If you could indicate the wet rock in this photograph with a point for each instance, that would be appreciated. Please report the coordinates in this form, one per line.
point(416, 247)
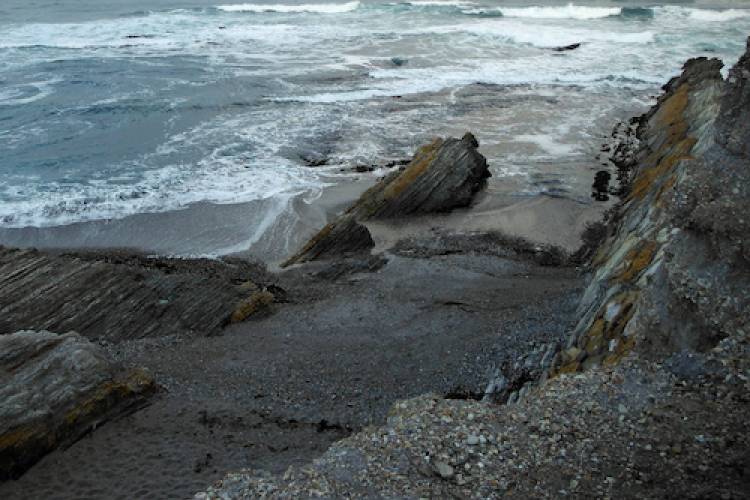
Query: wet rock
point(443, 175)
point(600, 188)
point(564, 48)
point(54, 389)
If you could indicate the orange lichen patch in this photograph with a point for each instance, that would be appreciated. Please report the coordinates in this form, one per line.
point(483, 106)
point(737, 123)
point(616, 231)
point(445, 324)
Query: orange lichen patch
point(247, 286)
point(574, 367)
point(594, 339)
point(637, 260)
point(646, 179)
point(623, 348)
point(422, 160)
point(671, 112)
point(259, 301)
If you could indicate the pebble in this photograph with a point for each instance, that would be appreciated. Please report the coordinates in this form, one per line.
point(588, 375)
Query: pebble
point(443, 469)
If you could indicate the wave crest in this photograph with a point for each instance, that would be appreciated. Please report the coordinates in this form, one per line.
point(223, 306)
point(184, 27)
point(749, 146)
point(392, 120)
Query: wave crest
point(718, 15)
point(316, 8)
point(569, 11)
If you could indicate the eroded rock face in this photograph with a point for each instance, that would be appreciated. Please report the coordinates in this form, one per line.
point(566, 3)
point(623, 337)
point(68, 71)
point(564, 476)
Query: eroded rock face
point(55, 388)
point(733, 130)
point(121, 295)
point(443, 175)
point(674, 272)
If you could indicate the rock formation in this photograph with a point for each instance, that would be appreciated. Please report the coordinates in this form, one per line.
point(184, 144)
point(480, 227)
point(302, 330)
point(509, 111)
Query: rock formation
point(54, 389)
point(674, 272)
point(443, 175)
point(650, 394)
point(121, 295)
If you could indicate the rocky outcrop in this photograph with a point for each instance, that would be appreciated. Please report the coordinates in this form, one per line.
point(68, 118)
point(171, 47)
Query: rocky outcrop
point(443, 175)
point(54, 389)
point(117, 295)
point(674, 272)
point(649, 396)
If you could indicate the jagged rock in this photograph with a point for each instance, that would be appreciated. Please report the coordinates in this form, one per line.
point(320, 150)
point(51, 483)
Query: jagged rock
point(443, 175)
point(120, 295)
point(54, 389)
point(673, 273)
point(733, 129)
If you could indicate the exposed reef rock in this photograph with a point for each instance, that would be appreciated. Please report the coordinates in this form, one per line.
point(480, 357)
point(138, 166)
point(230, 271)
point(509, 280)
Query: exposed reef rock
point(443, 175)
point(54, 389)
point(122, 295)
point(565, 48)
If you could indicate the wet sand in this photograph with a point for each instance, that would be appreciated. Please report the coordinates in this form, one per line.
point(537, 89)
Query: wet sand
point(271, 230)
point(266, 229)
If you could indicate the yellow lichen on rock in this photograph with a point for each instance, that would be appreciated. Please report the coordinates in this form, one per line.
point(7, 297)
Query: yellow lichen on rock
point(137, 381)
point(17, 437)
point(636, 261)
point(670, 114)
point(648, 177)
point(257, 302)
point(417, 167)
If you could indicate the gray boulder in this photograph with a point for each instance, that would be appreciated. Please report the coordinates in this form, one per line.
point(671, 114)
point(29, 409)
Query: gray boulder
point(54, 389)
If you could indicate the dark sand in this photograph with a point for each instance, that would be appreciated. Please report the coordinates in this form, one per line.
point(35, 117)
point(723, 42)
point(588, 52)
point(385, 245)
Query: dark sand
point(277, 391)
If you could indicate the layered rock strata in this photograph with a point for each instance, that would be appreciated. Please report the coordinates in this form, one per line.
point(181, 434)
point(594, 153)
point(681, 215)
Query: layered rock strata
point(443, 175)
point(674, 271)
point(123, 295)
point(54, 389)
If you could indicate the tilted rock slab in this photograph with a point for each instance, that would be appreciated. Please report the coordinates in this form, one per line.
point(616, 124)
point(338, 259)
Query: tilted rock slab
point(55, 388)
point(116, 295)
point(674, 272)
point(443, 175)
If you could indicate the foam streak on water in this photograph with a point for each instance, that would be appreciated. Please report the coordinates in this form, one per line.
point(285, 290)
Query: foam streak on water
point(108, 110)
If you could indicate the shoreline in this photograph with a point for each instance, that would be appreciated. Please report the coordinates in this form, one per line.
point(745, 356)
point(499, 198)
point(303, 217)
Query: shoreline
point(271, 230)
point(265, 229)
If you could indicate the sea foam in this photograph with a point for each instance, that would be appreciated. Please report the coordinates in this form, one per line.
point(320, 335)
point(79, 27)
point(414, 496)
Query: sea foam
point(569, 11)
point(317, 8)
point(717, 15)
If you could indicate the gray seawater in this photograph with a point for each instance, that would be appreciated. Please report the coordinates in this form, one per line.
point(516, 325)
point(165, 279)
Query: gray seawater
point(111, 108)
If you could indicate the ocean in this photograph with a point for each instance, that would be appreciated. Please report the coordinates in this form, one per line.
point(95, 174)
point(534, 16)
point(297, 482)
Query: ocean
point(110, 109)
